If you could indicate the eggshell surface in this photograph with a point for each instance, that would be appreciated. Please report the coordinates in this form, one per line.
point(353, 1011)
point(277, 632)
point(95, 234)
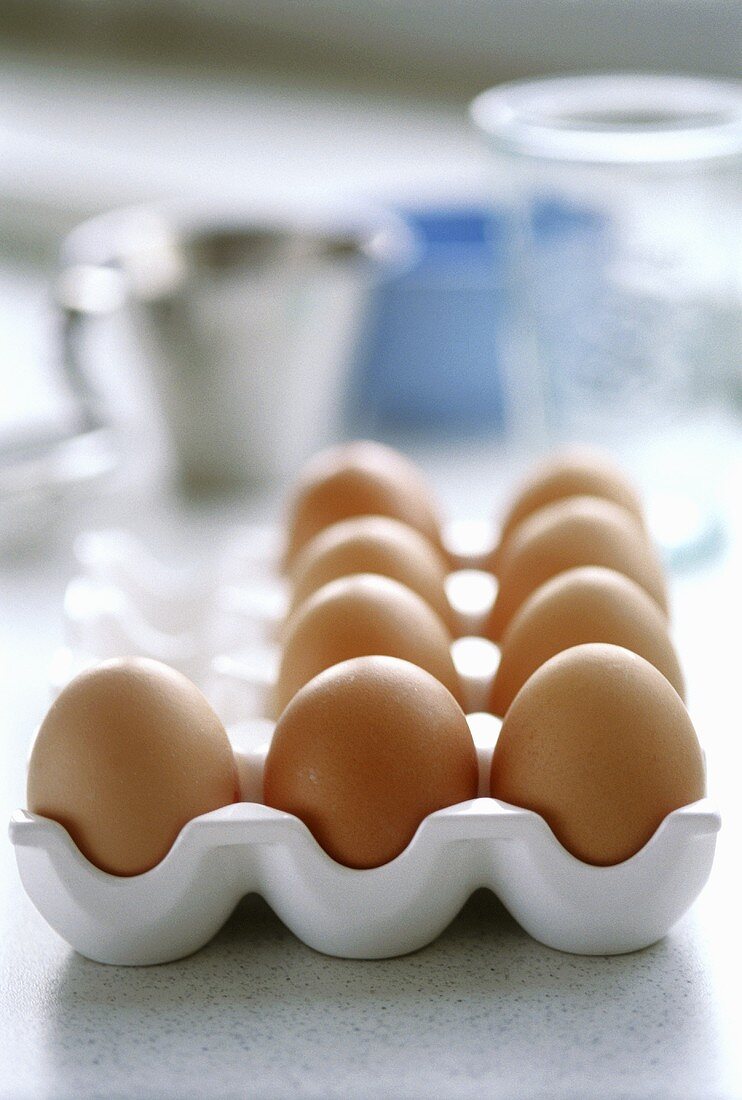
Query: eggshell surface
point(571, 533)
point(601, 746)
point(575, 471)
point(589, 604)
point(358, 479)
point(364, 752)
point(128, 753)
point(373, 544)
point(358, 616)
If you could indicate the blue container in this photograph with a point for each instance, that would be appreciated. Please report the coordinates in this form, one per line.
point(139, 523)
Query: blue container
point(431, 359)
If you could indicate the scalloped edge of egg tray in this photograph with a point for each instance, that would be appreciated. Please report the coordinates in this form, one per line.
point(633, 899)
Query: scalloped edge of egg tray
point(178, 906)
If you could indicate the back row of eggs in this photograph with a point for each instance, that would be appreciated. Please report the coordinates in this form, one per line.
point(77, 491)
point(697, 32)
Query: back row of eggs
point(601, 578)
point(589, 514)
point(111, 610)
point(367, 478)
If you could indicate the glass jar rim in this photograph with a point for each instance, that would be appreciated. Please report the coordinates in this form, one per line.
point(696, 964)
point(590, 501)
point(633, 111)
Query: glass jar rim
point(619, 118)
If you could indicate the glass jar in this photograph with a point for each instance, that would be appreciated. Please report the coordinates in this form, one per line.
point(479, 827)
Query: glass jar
point(624, 254)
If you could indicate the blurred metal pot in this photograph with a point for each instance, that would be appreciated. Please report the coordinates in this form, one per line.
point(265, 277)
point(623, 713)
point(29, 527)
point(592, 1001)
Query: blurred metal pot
point(247, 325)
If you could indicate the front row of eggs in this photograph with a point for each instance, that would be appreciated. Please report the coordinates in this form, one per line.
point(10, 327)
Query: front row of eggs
point(597, 742)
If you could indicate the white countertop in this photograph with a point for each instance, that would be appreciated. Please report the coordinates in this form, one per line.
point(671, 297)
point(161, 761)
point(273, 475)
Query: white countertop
point(482, 1011)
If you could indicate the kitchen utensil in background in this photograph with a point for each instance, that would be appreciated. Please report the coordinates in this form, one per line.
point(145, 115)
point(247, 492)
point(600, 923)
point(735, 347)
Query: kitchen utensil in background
point(623, 248)
point(54, 454)
point(242, 328)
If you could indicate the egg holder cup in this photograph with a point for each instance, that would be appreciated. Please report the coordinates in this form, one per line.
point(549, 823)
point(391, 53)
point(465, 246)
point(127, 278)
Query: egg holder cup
point(178, 906)
point(218, 858)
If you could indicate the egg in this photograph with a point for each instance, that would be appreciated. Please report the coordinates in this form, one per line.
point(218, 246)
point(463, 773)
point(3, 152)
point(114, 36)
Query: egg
point(590, 604)
point(573, 532)
point(358, 479)
point(358, 616)
point(575, 471)
point(373, 544)
point(364, 752)
point(601, 746)
point(128, 753)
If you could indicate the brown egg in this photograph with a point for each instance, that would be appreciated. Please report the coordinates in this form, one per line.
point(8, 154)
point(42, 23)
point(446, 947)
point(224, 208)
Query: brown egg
point(590, 604)
point(360, 616)
point(128, 753)
point(358, 479)
point(365, 752)
point(601, 746)
point(573, 472)
point(373, 544)
point(564, 535)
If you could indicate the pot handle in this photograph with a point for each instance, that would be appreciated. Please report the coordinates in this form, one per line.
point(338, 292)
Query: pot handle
point(81, 292)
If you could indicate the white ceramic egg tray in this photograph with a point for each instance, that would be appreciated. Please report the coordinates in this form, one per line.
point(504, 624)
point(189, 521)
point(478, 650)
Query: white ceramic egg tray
point(177, 907)
point(123, 602)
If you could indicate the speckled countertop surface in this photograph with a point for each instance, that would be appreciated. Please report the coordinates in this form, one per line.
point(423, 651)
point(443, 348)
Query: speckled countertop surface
point(483, 1011)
